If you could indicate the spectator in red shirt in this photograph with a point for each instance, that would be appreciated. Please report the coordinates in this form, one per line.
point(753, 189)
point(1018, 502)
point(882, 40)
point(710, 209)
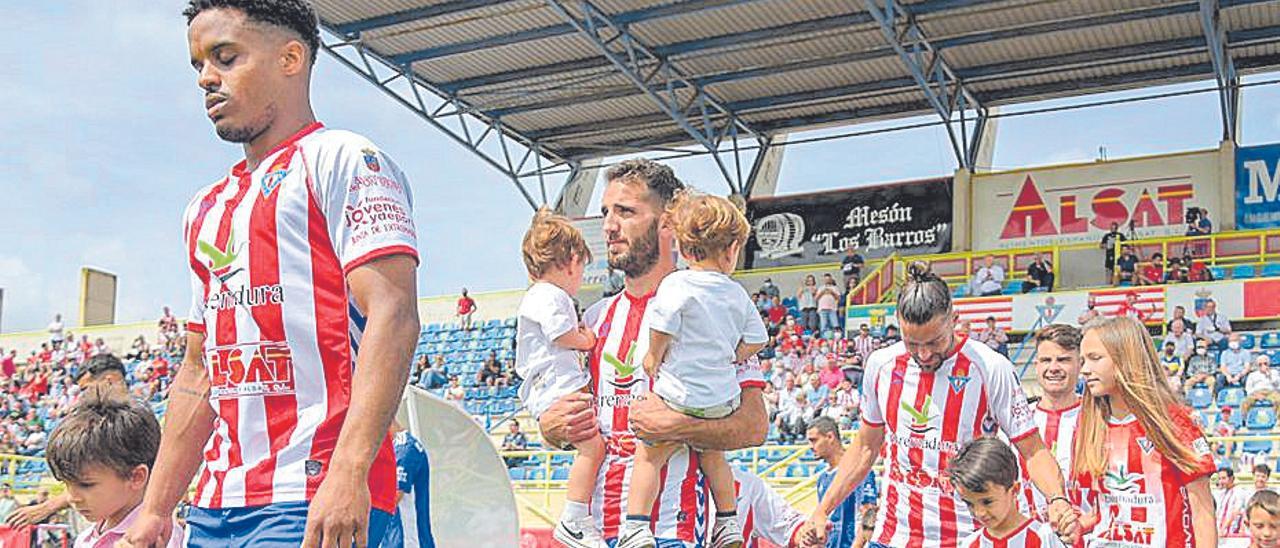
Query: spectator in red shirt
point(777, 313)
point(1153, 273)
point(466, 307)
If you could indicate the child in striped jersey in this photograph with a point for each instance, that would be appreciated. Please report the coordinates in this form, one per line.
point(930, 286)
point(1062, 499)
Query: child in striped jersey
point(985, 473)
point(701, 323)
point(548, 339)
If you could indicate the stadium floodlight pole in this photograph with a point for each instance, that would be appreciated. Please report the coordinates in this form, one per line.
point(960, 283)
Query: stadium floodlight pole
point(1224, 69)
point(945, 92)
point(494, 142)
point(704, 118)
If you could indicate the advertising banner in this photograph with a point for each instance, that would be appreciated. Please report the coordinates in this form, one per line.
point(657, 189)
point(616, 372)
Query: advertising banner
point(1078, 203)
point(1258, 187)
point(908, 218)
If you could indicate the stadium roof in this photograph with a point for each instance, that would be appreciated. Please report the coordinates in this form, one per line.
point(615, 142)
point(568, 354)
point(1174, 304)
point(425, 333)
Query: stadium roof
point(572, 80)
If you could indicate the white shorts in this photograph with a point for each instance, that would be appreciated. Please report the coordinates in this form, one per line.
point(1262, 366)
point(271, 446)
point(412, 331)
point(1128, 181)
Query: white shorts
point(713, 412)
point(551, 384)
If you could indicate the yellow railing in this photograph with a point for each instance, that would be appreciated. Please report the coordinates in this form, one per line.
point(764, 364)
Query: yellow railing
point(1228, 248)
point(13, 471)
point(879, 284)
point(941, 263)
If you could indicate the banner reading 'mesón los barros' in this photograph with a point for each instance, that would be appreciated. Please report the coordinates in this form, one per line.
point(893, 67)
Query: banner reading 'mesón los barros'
point(910, 218)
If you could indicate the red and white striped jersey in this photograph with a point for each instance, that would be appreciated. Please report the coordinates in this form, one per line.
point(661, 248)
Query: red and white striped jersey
point(1032, 534)
point(269, 249)
point(927, 418)
point(617, 379)
point(764, 514)
point(1142, 498)
point(1057, 429)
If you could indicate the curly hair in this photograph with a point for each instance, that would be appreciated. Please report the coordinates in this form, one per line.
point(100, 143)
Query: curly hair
point(705, 225)
point(293, 15)
point(552, 242)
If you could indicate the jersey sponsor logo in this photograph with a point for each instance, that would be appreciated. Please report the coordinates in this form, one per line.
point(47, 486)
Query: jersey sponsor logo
point(958, 383)
point(1121, 480)
point(371, 160)
point(272, 180)
point(374, 181)
point(623, 370)
point(374, 215)
point(1130, 534)
point(220, 259)
point(922, 418)
point(249, 297)
point(253, 369)
point(1200, 446)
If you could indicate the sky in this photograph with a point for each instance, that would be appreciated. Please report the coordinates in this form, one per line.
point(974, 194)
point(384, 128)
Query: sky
point(103, 141)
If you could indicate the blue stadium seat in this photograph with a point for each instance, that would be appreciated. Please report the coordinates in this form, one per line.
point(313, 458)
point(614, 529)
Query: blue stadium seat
point(790, 302)
point(493, 323)
point(1218, 272)
point(516, 474)
point(1271, 270)
point(1261, 417)
point(1243, 271)
point(1200, 397)
point(1236, 420)
point(561, 460)
point(1011, 289)
point(961, 291)
point(1247, 341)
point(536, 474)
point(1271, 340)
point(560, 473)
point(1231, 397)
point(509, 322)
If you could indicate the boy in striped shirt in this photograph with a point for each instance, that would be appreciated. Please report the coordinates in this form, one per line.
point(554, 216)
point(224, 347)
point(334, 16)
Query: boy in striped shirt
point(985, 474)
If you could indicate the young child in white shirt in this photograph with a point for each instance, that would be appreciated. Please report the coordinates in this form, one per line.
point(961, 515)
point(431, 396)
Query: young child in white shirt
point(701, 323)
point(985, 474)
point(549, 337)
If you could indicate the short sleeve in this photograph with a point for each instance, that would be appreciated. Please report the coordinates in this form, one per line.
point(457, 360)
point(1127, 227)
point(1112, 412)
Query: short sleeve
point(550, 308)
point(749, 373)
point(1008, 403)
point(195, 318)
point(195, 315)
point(667, 305)
point(869, 403)
point(366, 201)
point(1192, 437)
point(753, 330)
point(973, 540)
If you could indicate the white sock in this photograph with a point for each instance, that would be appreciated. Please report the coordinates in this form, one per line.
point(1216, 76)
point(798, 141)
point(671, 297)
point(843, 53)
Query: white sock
point(574, 511)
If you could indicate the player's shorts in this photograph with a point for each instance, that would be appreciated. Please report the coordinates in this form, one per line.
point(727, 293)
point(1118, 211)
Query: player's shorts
point(274, 526)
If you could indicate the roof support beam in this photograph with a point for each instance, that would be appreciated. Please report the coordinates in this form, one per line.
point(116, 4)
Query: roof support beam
point(538, 33)
point(705, 119)
point(414, 14)
point(512, 154)
point(1224, 69)
point(940, 85)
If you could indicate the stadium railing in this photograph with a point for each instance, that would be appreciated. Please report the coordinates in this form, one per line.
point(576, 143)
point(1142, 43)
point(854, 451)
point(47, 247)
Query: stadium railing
point(1241, 248)
point(880, 283)
point(773, 463)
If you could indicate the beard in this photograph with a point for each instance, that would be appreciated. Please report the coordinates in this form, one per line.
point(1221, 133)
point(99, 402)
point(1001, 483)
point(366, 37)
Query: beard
point(248, 132)
point(640, 256)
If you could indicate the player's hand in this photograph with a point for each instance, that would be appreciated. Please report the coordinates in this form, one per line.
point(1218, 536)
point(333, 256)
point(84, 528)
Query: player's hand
point(339, 513)
point(29, 515)
point(149, 530)
point(653, 421)
point(813, 534)
point(571, 419)
point(1065, 520)
point(590, 335)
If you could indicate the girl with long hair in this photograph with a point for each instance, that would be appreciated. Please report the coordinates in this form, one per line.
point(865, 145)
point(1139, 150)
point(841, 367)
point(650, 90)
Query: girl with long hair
point(1141, 465)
